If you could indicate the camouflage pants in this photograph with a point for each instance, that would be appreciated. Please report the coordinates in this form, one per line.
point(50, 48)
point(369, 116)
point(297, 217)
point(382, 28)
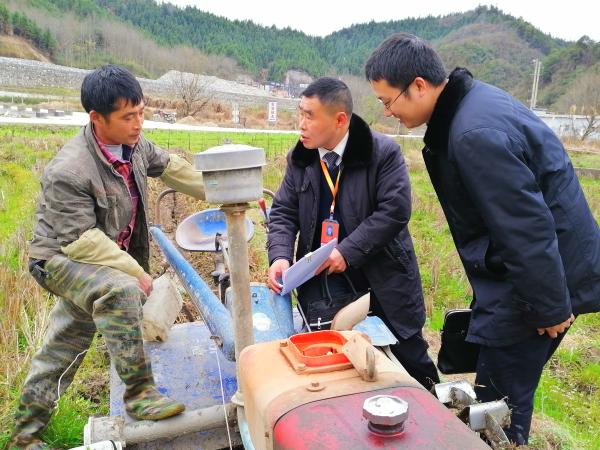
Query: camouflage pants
point(91, 298)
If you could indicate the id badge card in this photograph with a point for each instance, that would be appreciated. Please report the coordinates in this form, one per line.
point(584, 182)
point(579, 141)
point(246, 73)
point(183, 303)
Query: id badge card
point(329, 230)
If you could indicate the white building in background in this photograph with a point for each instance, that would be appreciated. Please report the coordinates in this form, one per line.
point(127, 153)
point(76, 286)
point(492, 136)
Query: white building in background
point(566, 125)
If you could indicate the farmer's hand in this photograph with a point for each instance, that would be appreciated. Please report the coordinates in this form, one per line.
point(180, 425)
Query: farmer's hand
point(145, 283)
point(334, 264)
point(554, 331)
point(275, 274)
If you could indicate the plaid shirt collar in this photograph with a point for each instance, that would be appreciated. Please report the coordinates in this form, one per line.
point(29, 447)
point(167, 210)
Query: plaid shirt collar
point(124, 168)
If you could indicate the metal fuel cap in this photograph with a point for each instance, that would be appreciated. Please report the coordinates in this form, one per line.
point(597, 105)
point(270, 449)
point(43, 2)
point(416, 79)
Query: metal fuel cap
point(386, 414)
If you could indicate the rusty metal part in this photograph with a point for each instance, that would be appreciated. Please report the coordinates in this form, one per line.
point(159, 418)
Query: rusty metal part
point(157, 206)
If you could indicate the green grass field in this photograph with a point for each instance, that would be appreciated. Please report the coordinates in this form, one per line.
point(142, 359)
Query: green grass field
point(567, 401)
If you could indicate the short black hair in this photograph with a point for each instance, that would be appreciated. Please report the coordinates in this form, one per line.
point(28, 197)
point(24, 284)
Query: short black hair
point(330, 91)
point(401, 58)
point(102, 88)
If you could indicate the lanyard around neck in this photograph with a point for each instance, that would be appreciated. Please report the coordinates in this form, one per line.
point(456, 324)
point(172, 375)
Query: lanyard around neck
point(332, 188)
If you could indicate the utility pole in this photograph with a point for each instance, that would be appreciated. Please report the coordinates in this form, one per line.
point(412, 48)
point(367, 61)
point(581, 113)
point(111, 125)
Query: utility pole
point(536, 82)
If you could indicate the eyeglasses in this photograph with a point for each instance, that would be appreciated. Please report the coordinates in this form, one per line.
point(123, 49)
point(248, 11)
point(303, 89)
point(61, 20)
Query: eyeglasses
point(389, 104)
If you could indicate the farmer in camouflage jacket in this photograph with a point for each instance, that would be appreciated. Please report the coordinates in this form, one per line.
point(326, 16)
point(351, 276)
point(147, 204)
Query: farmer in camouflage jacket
point(90, 248)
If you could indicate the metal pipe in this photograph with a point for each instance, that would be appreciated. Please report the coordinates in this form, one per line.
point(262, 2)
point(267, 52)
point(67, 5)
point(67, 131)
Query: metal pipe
point(187, 422)
point(213, 312)
point(241, 309)
point(223, 249)
point(158, 200)
point(244, 430)
point(269, 192)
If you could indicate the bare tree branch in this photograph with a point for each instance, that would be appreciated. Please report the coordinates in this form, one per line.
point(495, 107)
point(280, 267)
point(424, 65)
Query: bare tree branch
point(583, 99)
point(193, 90)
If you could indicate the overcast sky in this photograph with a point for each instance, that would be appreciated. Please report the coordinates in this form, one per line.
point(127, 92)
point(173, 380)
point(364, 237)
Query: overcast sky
point(568, 20)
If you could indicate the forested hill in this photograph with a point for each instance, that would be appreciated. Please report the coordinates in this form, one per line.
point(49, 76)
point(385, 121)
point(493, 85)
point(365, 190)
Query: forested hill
point(495, 46)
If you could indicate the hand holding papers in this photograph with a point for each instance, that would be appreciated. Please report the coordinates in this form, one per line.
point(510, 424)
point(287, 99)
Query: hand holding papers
point(306, 268)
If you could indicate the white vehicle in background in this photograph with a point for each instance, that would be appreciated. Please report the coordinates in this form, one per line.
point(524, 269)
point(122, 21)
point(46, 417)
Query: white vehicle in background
point(165, 116)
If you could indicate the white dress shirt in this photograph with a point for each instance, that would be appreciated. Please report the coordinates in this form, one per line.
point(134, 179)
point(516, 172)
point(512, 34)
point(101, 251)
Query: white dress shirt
point(339, 149)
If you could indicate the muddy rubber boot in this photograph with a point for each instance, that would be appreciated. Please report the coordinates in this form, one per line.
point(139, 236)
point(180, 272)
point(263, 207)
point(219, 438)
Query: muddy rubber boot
point(118, 317)
point(149, 404)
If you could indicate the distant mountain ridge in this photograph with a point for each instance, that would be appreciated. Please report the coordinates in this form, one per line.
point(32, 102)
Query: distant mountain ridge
point(496, 47)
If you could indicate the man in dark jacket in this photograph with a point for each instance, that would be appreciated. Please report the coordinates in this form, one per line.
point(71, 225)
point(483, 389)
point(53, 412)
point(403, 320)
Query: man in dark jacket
point(523, 229)
point(372, 207)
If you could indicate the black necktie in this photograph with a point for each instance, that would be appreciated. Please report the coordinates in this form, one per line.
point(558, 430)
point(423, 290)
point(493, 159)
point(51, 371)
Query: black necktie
point(330, 159)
